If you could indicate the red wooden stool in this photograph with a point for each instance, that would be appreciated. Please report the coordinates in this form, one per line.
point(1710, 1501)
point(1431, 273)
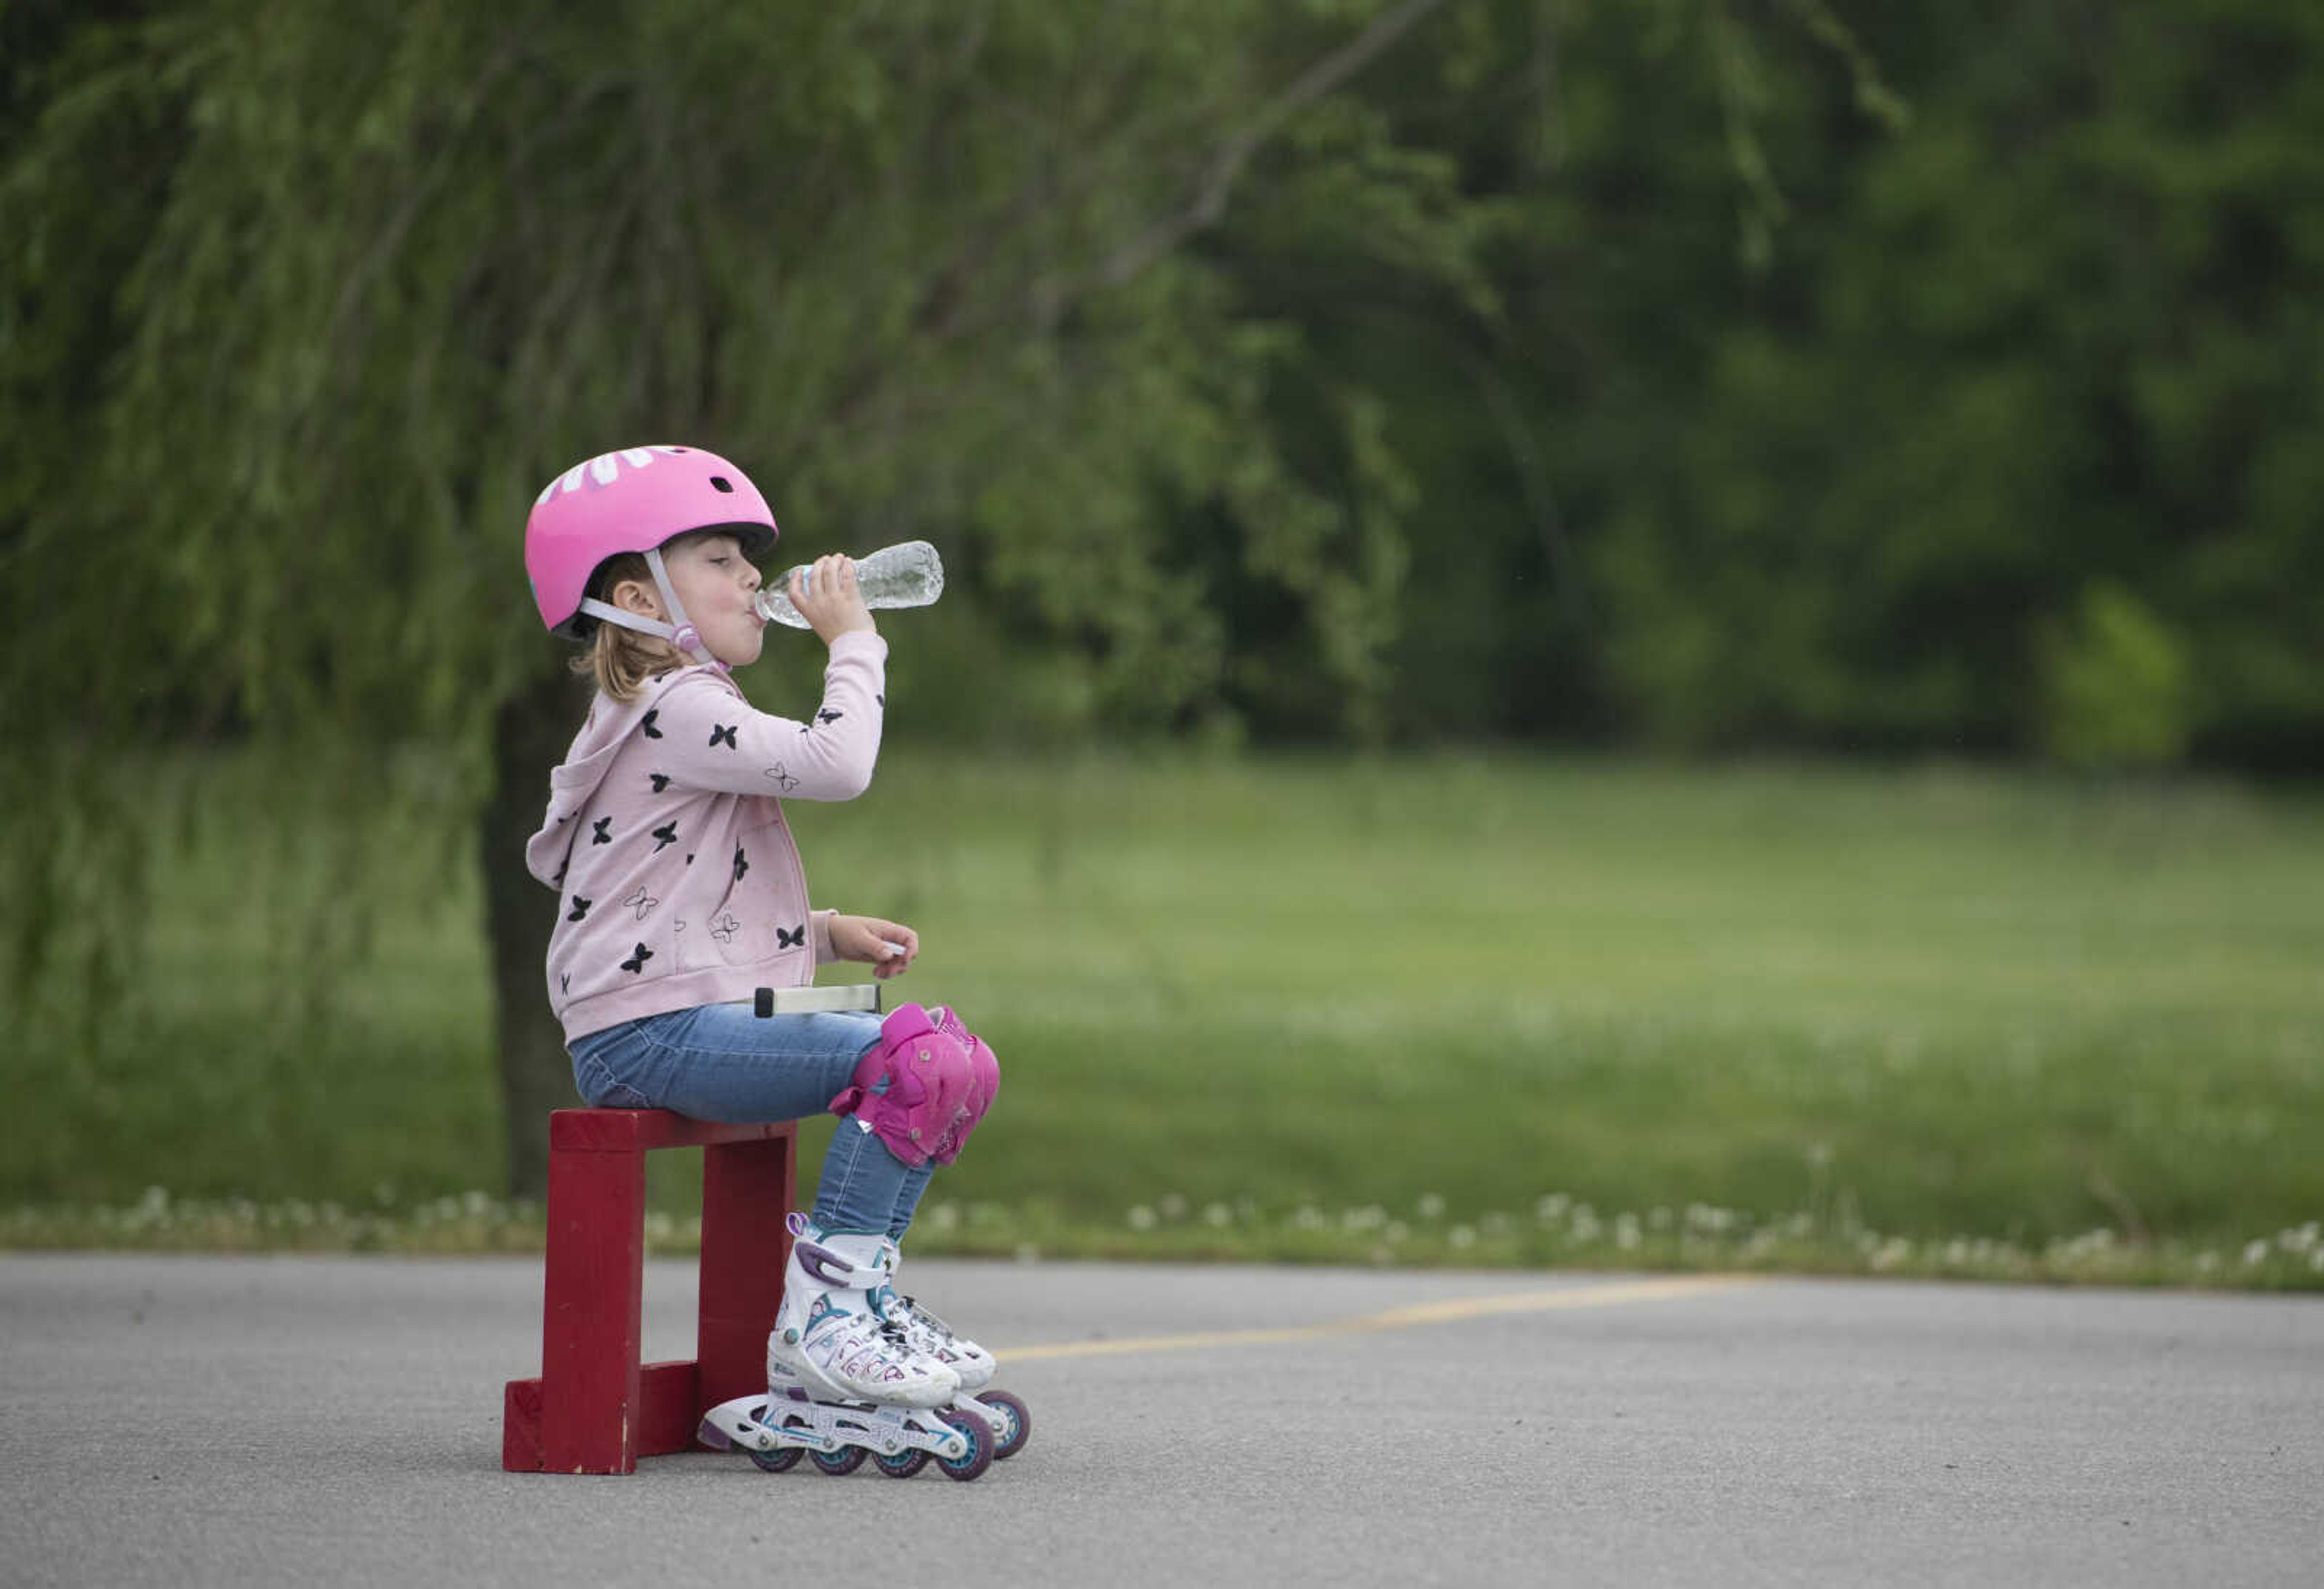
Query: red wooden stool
point(595, 1408)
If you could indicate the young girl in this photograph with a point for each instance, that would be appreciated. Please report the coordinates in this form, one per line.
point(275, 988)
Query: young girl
point(682, 905)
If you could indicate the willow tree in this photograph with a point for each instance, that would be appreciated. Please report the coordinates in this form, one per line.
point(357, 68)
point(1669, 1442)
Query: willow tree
point(301, 305)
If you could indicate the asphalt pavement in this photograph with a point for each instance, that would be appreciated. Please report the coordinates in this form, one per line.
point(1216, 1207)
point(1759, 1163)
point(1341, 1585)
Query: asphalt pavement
point(257, 1421)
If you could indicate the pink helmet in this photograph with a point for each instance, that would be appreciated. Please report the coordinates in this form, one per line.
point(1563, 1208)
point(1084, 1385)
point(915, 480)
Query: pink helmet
point(631, 500)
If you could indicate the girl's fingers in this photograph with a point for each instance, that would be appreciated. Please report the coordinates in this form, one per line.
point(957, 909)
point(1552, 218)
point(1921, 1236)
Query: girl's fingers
point(834, 574)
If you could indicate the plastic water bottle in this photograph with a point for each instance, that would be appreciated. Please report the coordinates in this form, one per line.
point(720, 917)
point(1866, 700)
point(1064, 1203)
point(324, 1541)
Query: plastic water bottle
point(908, 574)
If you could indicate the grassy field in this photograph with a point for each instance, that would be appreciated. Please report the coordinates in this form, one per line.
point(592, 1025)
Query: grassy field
point(1449, 1010)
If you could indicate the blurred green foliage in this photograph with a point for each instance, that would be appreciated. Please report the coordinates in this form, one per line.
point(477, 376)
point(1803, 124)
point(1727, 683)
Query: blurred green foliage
point(1714, 376)
point(2117, 685)
point(2061, 333)
point(1733, 375)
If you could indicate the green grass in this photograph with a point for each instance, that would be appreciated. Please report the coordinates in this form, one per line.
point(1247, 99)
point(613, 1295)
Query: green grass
point(1456, 1009)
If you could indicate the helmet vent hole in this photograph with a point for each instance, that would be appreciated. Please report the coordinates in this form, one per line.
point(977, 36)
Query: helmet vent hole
point(722, 483)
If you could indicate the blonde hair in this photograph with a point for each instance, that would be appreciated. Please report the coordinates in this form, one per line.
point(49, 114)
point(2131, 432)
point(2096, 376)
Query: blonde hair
point(621, 660)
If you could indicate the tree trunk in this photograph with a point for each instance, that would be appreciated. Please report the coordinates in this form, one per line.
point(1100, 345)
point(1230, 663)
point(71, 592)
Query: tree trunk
point(530, 732)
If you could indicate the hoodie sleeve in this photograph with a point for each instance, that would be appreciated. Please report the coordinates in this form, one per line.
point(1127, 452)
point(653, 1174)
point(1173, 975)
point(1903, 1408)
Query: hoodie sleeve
point(703, 735)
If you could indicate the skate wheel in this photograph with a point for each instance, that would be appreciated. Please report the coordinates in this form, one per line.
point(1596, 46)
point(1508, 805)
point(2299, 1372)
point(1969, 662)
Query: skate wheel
point(1016, 1423)
point(979, 1435)
point(903, 1464)
point(840, 1462)
point(782, 1458)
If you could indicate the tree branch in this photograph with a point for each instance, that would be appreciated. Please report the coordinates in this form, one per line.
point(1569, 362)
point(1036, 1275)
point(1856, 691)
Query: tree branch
point(1216, 184)
point(950, 307)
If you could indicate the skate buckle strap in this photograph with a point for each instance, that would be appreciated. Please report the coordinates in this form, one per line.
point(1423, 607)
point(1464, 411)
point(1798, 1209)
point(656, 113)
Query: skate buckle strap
point(823, 1265)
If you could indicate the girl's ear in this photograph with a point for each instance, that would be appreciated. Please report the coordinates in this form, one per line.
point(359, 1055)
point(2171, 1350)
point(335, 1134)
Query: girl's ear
point(634, 595)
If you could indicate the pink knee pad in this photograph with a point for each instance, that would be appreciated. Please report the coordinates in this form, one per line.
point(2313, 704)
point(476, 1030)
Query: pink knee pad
point(933, 1076)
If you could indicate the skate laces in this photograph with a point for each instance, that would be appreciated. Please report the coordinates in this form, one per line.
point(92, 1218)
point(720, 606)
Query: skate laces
point(925, 1320)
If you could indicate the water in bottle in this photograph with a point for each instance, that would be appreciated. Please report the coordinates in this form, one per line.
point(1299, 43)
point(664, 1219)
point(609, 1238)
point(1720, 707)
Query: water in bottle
point(907, 575)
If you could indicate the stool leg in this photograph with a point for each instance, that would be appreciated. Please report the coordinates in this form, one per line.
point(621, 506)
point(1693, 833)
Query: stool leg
point(746, 1196)
point(591, 1315)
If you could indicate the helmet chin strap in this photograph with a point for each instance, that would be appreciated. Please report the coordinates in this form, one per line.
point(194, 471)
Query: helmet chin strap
point(679, 632)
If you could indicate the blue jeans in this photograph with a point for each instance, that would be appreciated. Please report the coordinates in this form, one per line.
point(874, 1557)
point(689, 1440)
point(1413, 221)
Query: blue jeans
point(722, 1061)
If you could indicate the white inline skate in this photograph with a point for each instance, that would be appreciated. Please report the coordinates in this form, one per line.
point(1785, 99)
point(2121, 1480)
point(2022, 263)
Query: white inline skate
point(844, 1379)
point(1011, 1421)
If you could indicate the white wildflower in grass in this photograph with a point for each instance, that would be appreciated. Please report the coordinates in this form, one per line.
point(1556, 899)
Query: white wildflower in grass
point(1552, 1208)
point(1172, 1205)
point(1430, 1205)
point(1625, 1231)
point(1462, 1236)
point(1370, 1216)
point(945, 1216)
point(2255, 1254)
point(2081, 1249)
point(1703, 1218)
point(1218, 1216)
point(1308, 1218)
point(1496, 1224)
point(1658, 1219)
point(1397, 1230)
point(1141, 1217)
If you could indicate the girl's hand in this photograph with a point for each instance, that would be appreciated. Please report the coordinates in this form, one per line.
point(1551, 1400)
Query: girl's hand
point(827, 596)
point(888, 947)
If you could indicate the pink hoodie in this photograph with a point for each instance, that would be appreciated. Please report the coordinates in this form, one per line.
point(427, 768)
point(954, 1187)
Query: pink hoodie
point(666, 841)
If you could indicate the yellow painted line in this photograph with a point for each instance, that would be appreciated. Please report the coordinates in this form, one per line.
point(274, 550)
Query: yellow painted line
point(1564, 1299)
